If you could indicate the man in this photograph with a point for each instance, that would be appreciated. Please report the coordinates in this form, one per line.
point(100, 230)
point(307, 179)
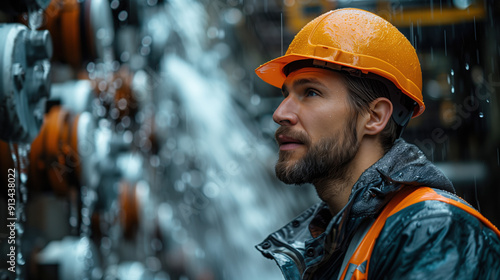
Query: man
point(351, 82)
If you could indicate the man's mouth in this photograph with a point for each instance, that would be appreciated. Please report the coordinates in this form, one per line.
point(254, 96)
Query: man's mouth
point(287, 143)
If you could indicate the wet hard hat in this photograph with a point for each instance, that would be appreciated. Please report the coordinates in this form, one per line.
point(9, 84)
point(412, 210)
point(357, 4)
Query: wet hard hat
point(353, 40)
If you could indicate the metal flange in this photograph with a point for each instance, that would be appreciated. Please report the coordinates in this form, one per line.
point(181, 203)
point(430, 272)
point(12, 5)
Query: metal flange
point(24, 81)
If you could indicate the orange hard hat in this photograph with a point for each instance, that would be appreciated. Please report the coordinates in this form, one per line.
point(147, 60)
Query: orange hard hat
point(353, 39)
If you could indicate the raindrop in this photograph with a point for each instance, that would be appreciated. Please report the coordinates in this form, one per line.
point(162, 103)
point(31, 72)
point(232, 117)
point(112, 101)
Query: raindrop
point(221, 34)
point(462, 4)
point(114, 4)
point(125, 56)
point(24, 178)
point(481, 115)
point(411, 35)
point(154, 161)
point(123, 15)
point(475, 34)
point(122, 104)
point(466, 66)
point(475, 190)
point(20, 228)
point(211, 190)
point(186, 177)
point(178, 158)
point(118, 83)
point(101, 111)
point(452, 72)
point(255, 99)
point(179, 186)
point(222, 49)
point(102, 86)
point(90, 67)
point(115, 65)
point(432, 10)
point(233, 16)
point(145, 51)
point(281, 34)
point(452, 89)
point(103, 34)
point(147, 40)
point(85, 211)
point(445, 49)
point(154, 263)
point(248, 9)
point(212, 32)
point(86, 221)
point(114, 113)
point(73, 221)
point(20, 259)
point(126, 121)
point(128, 137)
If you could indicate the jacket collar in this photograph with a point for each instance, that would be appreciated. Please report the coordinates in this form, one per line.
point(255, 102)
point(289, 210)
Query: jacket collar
point(405, 163)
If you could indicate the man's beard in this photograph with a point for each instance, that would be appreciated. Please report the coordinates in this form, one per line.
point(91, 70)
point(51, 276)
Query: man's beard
point(326, 160)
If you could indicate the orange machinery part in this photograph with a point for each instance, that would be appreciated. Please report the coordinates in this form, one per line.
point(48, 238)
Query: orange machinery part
point(63, 23)
point(54, 153)
point(129, 209)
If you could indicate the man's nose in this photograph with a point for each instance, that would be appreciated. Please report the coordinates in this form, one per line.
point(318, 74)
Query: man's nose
point(286, 113)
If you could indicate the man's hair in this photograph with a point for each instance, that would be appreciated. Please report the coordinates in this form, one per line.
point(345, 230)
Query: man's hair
point(362, 91)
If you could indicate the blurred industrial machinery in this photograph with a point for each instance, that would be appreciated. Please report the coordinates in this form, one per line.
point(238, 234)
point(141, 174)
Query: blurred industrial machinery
point(25, 82)
point(128, 175)
point(143, 147)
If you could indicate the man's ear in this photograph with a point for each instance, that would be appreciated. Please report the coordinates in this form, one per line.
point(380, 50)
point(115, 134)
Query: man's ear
point(378, 116)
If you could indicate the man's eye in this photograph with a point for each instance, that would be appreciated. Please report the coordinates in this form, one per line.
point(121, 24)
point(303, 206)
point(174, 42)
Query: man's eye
point(311, 92)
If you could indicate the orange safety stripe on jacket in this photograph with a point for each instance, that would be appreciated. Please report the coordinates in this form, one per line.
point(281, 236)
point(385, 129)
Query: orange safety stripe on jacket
point(406, 197)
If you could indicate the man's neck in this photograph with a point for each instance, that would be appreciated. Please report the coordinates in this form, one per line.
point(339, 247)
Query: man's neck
point(335, 192)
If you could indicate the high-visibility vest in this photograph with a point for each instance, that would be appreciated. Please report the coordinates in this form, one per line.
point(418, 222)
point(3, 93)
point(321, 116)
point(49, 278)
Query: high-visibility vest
point(357, 267)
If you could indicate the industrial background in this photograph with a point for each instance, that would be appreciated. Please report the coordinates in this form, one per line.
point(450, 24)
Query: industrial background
point(141, 141)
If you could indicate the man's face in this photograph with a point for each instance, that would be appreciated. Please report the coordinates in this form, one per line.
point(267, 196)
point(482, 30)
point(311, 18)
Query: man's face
point(317, 137)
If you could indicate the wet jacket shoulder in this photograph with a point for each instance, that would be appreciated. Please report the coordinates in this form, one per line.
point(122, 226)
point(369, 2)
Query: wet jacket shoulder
point(435, 240)
point(427, 240)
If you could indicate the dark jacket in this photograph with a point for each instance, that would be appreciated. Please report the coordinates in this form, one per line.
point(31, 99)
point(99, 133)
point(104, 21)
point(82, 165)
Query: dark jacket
point(428, 240)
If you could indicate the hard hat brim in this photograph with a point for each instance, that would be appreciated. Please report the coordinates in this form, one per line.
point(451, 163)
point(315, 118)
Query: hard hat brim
point(273, 74)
